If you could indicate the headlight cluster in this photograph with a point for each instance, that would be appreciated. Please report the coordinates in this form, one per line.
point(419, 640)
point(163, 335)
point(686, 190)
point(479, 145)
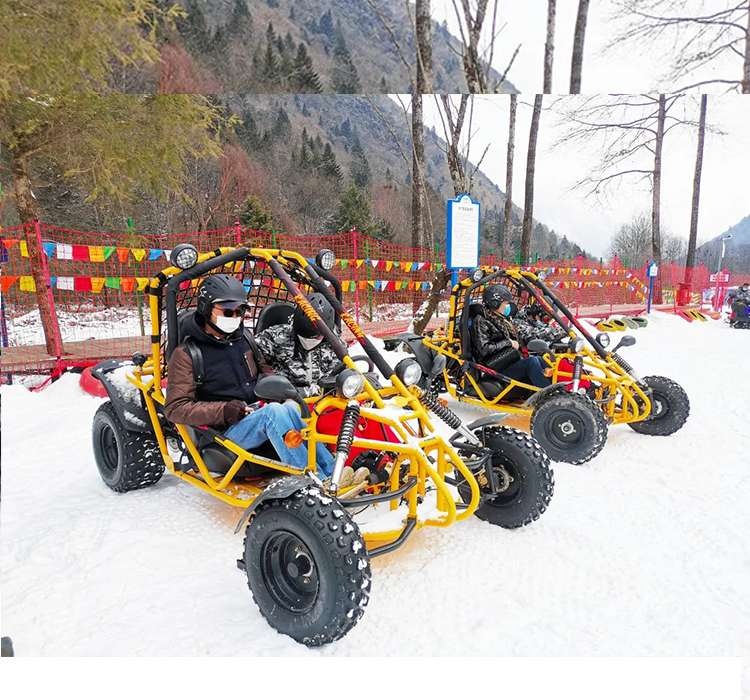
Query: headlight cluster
point(477, 274)
point(577, 344)
point(409, 371)
point(326, 259)
point(603, 339)
point(184, 255)
point(350, 383)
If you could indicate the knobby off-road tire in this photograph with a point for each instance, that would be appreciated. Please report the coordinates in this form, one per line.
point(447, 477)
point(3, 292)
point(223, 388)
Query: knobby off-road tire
point(670, 407)
point(127, 460)
point(527, 493)
point(307, 567)
point(570, 427)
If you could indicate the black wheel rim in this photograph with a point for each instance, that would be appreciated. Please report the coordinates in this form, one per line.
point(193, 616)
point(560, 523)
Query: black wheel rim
point(564, 428)
point(289, 572)
point(659, 406)
point(509, 481)
point(108, 449)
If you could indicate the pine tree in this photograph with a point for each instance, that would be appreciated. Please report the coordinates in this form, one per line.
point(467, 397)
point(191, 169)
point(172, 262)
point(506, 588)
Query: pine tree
point(270, 65)
point(255, 215)
point(325, 25)
point(360, 168)
point(304, 78)
point(344, 75)
point(247, 132)
point(353, 211)
point(328, 165)
point(282, 127)
point(383, 85)
point(193, 28)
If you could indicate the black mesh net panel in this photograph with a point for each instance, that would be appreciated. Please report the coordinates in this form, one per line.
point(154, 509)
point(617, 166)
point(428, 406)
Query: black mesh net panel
point(262, 287)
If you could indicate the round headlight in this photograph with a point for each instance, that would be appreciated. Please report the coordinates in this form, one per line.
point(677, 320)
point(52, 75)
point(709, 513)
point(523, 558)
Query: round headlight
point(184, 255)
point(603, 339)
point(577, 344)
point(326, 259)
point(477, 274)
point(408, 371)
point(350, 383)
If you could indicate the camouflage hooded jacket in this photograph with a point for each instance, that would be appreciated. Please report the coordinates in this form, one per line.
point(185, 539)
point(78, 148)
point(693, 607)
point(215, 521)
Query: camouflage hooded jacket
point(303, 368)
point(530, 329)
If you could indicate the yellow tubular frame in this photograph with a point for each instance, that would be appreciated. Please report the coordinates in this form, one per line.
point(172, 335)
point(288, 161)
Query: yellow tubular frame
point(410, 421)
point(615, 383)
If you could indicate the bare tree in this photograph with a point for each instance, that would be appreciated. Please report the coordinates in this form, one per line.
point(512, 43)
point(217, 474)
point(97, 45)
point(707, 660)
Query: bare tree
point(690, 260)
point(701, 37)
point(576, 62)
point(470, 26)
point(507, 227)
point(624, 128)
point(528, 207)
point(549, 46)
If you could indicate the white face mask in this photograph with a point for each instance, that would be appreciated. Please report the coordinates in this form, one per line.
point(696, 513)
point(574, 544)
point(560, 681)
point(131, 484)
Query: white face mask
point(228, 325)
point(310, 343)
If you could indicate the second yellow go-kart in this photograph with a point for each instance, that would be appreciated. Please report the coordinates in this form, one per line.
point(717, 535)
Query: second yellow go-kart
point(591, 386)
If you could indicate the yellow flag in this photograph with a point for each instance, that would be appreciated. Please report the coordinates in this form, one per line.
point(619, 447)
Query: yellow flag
point(138, 253)
point(26, 283)
point(97, 282)
point(96, 254)
point(24, 249)
point(142, 282)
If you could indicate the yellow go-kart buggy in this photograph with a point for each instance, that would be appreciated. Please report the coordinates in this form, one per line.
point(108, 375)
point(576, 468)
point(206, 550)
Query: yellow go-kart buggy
point(306, 558)
point(591, 386)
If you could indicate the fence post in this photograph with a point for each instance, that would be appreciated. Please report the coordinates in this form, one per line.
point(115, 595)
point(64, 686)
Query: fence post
point(3, 325)
point(237, 233)
point(369, 289)
point(47, 310)
point(355, 246)
point(130, 224)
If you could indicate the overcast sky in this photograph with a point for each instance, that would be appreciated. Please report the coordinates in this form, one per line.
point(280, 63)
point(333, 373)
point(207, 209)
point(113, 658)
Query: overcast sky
point(725, 192)
point(629, 68)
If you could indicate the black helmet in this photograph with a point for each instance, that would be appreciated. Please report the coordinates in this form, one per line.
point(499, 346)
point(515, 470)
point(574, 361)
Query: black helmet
point(494, 295)
point(216, 289)
point(304, 326)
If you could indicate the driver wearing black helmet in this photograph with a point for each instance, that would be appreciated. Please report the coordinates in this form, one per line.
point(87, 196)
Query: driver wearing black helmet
point(496, 342)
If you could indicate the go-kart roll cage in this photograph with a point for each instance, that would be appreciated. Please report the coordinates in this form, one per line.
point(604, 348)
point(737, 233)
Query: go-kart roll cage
point(427, 455)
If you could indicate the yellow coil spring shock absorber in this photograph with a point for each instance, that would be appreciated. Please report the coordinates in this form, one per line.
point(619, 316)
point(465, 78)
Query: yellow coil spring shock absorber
point(344, 442)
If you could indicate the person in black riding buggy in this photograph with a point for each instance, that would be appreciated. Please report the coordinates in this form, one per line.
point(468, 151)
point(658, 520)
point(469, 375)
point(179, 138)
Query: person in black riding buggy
point(298, 352)
point(224, 399)
point(496, 341)
point(739, 301)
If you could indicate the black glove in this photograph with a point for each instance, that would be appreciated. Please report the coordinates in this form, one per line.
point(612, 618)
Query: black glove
point(234, 411)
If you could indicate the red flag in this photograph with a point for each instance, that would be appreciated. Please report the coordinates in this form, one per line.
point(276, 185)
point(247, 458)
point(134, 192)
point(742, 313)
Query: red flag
point(7, 281)
point(81, 284)
point(81, 252)
point(127, 284)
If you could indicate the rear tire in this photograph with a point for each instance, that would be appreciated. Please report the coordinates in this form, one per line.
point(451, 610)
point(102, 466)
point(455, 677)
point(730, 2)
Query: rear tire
point(670, 407)
point(570, 427)
point(127, 460)
point(307, 567)
point(530, 487)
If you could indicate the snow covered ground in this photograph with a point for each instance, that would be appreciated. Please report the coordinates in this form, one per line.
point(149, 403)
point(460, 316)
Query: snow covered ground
point(643, 551)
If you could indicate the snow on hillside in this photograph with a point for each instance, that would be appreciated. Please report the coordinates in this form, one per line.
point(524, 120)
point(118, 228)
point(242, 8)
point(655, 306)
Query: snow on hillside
point(643, 551)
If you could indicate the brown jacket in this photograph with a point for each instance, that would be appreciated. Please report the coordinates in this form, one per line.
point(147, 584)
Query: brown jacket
point(227, 378)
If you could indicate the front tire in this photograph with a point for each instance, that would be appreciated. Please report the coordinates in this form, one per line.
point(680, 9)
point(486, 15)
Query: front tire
point(307, 567)
point(670, 407)
point(570, 427)
point(127, 460)
point(524, 473)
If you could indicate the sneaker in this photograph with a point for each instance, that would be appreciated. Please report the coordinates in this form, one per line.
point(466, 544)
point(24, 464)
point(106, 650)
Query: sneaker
point(347, 477)
point(360, 476)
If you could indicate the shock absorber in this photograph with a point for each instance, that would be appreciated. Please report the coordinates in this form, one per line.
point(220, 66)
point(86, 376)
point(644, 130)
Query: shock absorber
point(577, 367)
point(345, 440)
point(627, 367)
point(430, 400)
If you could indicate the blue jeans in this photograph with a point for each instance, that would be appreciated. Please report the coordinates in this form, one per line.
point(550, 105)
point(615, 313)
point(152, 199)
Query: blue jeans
point(272, 422)
point(529, 370)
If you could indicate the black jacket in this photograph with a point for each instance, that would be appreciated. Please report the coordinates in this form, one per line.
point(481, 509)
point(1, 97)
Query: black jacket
point(230, 371)
point(491, 337)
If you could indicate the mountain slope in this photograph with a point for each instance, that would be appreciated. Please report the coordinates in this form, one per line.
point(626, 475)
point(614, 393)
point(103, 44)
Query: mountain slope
point(737, 251)
point(226, 40)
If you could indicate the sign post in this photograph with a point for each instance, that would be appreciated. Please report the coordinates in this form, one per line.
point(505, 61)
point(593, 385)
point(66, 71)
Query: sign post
point(652, 270)
point(462, 234)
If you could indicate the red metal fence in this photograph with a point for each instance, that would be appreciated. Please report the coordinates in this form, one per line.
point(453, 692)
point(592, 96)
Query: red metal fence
point(97, 278)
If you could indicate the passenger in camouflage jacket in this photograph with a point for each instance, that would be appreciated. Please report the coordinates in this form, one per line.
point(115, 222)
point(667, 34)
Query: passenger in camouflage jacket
point(297, 351)
point(282, 349)
point(530, 326)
